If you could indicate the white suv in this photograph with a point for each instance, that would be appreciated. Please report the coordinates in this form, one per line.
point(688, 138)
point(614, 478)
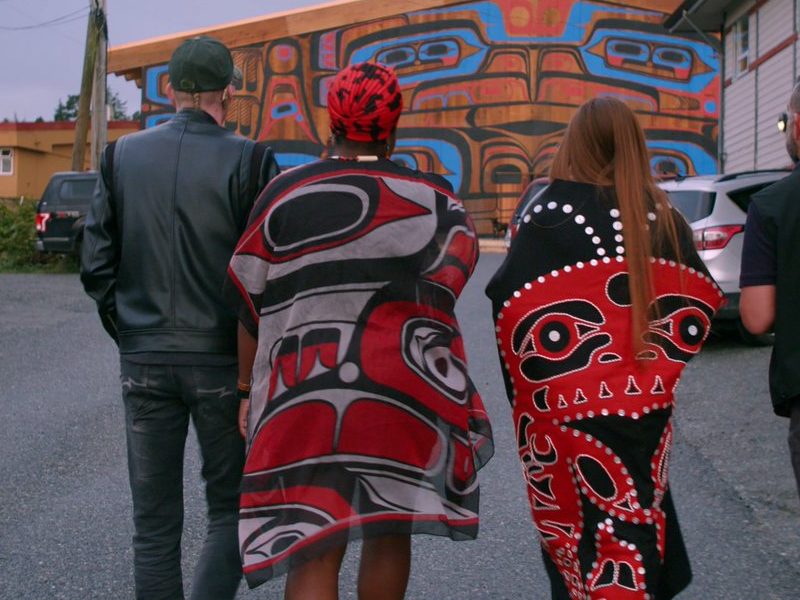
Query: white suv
point(716, 208)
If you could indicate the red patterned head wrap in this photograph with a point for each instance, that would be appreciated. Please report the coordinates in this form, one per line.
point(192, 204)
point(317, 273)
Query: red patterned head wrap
point(364, 102)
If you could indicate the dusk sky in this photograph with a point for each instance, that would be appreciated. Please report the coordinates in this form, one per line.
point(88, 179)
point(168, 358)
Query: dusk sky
point(42, 63)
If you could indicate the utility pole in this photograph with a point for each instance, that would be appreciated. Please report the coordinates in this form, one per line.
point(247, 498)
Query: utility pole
point(99, 103)
point(89, 58)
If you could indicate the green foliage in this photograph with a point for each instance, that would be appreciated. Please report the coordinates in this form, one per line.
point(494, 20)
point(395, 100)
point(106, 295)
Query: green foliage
point(68, 110)
point(17, 237)
point(119, 108)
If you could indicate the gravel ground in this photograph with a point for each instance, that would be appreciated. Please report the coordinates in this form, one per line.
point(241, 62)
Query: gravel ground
point(65, 508)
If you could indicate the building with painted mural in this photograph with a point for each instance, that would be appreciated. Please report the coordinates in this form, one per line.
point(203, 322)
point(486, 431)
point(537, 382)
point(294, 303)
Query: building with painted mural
point(760, 66)
point(488, 85)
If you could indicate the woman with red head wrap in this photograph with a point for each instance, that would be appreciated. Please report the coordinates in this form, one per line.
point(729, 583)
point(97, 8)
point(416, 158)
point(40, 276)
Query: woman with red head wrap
point(364, 103)
point(360, 416)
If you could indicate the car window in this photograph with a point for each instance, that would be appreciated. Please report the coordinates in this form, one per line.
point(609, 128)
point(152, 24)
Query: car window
point(742, 197)
point(530, 193)
point(692, 204)
point(76, 193)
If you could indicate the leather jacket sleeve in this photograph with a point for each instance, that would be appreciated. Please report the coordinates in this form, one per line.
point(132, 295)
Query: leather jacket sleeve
point(262, 168)
point(100, 250)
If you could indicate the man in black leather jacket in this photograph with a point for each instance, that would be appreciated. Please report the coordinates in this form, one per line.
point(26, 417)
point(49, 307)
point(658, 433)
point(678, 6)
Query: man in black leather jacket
point(168, 211)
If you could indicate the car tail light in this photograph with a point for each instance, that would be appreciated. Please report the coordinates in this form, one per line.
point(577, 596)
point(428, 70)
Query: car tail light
point(715, 238)
point(41, 221)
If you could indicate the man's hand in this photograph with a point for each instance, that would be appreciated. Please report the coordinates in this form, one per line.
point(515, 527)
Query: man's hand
point(109, 321)
point(244, 410)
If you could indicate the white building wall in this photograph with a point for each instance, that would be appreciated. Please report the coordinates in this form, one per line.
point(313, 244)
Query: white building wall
point(754, 100)
point(797, 43)
point(775, 79)
point(796, 55)
point(775, 24)
point(739, 124)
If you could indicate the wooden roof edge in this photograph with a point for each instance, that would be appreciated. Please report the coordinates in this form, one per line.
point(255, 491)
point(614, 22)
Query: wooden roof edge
point(126, 59)
point(61, 125)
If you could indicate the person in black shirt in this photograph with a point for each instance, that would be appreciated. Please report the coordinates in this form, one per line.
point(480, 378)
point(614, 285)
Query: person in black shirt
point(770, 280)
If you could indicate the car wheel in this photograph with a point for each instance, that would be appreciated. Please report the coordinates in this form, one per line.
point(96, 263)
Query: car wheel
point(750, 339)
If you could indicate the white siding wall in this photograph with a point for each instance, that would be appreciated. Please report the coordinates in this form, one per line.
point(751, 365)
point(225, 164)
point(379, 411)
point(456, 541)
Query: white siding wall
point(740, 124)
point(775, 24)
point(797, 44)
point(775, 79)
point(754, 101)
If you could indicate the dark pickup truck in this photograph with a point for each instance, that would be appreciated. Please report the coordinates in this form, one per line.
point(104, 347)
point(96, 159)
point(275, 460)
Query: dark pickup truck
point(61, 212)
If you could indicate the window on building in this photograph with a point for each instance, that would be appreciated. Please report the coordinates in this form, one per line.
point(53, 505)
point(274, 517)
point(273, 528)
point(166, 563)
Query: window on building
point(741, 45)
point(6, 161)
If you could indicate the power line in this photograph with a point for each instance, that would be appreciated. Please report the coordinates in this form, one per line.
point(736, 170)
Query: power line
point(31, 17)
point(67, 18)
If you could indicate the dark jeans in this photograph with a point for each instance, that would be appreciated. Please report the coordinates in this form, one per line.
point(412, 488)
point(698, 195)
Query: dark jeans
point(794, 440)
point(159, 400)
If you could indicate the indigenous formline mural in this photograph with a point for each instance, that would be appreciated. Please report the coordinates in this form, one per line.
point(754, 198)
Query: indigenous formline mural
point(488, 88)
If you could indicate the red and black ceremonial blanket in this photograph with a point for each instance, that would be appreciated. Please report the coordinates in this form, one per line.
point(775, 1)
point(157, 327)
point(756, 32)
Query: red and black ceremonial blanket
point(594, 427)
point(363, 418)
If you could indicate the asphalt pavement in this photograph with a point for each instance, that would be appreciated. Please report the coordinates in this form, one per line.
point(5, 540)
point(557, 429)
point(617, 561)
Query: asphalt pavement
point(65, 517)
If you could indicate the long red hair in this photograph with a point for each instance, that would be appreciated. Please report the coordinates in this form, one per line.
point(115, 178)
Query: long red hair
point(605, 145)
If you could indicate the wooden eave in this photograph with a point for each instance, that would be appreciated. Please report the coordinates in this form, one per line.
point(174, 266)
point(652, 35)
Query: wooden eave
point(663, 6)
point(127, 60)
point(706, 15)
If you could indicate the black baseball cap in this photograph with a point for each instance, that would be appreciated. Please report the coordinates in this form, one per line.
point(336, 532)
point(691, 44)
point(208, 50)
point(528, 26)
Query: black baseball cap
point(202, 64)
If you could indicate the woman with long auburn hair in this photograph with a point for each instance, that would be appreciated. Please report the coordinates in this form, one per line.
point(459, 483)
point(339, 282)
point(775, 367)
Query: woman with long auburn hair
point(599, 305)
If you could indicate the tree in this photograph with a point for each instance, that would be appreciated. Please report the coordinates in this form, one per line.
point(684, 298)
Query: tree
point(68, 110)
point(119, 108)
